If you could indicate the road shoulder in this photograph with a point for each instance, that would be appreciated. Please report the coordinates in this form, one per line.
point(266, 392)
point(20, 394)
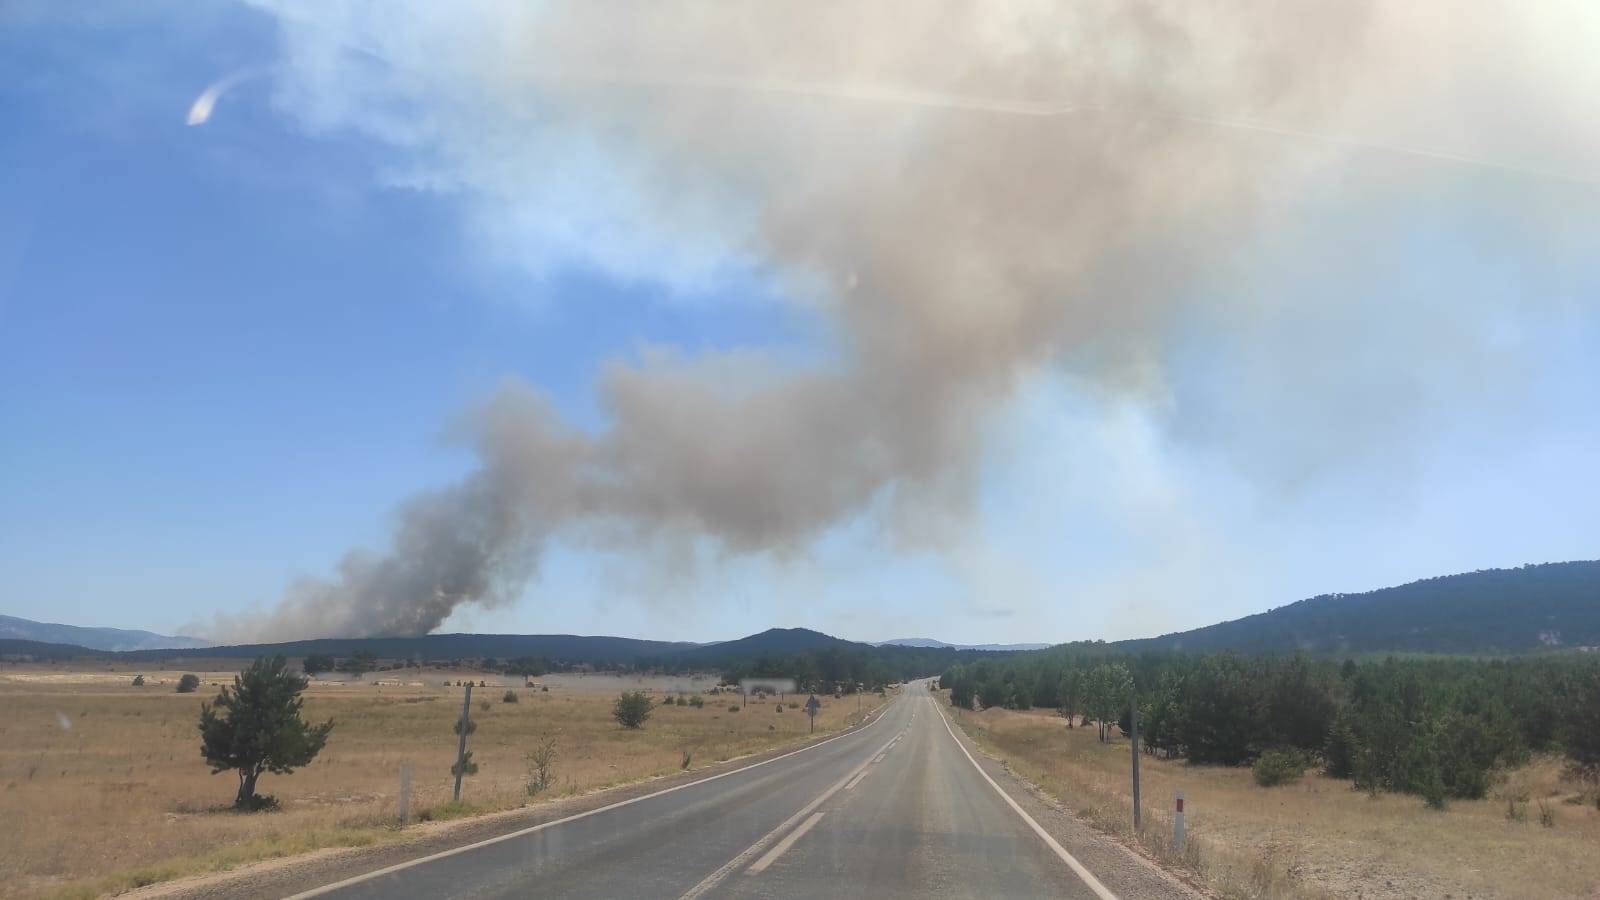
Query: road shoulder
point(1127, 873)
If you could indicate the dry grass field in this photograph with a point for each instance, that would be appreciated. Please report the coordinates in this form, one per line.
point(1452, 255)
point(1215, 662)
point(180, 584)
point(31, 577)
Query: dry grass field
point(102, 787)
point(1317, 837)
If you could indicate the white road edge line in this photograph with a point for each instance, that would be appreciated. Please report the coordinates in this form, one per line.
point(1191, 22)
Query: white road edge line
point(1083, 872)
point(732, 865)
point(783, 846)
point(512, 835)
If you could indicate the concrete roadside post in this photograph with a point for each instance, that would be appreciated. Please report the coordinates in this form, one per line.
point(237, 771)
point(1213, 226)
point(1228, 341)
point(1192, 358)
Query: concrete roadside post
point(461, 745)
point(1177, 824)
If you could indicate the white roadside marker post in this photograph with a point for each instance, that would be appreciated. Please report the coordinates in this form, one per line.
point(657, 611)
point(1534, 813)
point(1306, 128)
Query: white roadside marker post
point(1177, 824)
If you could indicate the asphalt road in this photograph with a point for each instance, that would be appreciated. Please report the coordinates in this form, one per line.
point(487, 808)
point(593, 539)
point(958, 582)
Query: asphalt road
point(898, 808)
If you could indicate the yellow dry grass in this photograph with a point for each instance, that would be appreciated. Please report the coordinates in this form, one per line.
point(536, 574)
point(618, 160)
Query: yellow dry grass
point(102, 786)
point(1317, 837)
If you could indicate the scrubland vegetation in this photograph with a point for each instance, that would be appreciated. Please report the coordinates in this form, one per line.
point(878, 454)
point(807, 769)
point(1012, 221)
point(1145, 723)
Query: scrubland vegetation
point(1383, 778)
point(109, 778)
point(1315, 836)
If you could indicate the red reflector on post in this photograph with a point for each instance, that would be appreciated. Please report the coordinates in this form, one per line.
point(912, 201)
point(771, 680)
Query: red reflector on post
point(1180, 804)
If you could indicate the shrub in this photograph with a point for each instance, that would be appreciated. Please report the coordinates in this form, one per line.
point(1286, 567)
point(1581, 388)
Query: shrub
point(541, 766)
point(686, 760)
point(668, 700)
point(465, 767)
point(138, 681)
point(697, 701)
point(259, 803)
point(632, 709)
point(510, 697)
point(188, 683)
point(1278, 766)
point(544, 689)
point(733, 707)
point(780, 707)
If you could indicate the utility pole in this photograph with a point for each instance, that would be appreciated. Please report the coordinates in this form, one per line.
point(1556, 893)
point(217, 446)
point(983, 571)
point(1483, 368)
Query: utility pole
point(1133, 718)
point(461, 746)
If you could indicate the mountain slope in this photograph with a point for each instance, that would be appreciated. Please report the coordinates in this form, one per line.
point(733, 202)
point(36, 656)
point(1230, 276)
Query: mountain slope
point(16, 648)
point(931, 644)
point(772, 642)
point(1536, 607)
point(14, 628)
point(569, 647)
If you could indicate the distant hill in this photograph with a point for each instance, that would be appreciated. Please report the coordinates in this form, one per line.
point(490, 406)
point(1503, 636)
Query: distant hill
point(554, 647)
point(14, 648)
point(1497, 611)
point(931, 644)
point(15, 628)
point(1494, 611)
point(772, 642)
point(568, 647)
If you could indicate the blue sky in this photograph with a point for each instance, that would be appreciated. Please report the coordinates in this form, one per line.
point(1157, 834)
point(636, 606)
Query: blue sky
point(227, 352)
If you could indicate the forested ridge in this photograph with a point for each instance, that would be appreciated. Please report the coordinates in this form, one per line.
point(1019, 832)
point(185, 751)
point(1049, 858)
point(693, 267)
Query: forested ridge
point(1493, 611)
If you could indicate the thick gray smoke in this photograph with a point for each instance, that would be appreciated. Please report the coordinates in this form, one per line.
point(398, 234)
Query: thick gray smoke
point(961, 193)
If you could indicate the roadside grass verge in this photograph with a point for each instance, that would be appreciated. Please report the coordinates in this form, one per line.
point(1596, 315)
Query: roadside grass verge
point(117, 797)
point(1316, 837)
point(227, 857)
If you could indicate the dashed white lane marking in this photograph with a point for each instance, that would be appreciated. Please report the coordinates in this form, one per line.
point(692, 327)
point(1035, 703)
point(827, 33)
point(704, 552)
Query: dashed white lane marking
point(784, 845)
point(856, 780)
point(733, 865)
point(511, 835)
point(1100, 890)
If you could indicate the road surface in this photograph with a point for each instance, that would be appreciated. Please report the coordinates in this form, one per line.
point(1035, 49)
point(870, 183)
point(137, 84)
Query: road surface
point(897, 808)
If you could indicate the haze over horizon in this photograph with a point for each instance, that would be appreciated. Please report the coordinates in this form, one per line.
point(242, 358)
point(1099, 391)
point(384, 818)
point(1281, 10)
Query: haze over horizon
point(1010, 324)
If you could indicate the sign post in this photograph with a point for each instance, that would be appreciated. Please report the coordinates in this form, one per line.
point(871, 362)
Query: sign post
point(461, 746)
point(1133, 720)
point(812, 706)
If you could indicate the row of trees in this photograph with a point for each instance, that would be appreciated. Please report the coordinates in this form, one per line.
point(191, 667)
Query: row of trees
point(837, 669)
point(1438, 728)
point(360, 662)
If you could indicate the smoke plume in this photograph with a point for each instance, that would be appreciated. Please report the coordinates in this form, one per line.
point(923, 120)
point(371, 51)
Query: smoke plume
point(961, 194)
